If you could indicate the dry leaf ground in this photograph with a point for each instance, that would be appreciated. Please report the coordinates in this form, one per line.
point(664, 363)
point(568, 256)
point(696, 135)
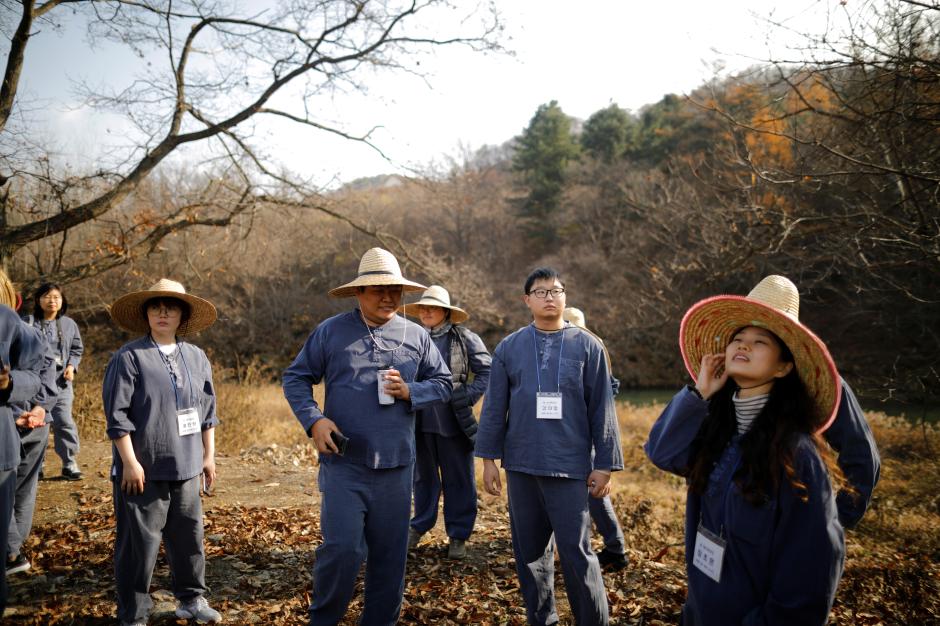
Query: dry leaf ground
point(262, 529)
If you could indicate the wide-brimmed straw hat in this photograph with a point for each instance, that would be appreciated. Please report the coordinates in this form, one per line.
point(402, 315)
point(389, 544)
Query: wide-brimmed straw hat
point(377, 267)
point(774, 304)
point(435, 295)
point(128, 310)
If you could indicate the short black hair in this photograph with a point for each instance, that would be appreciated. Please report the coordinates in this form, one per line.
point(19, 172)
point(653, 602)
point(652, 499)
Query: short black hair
point(167, 301)
point(43, 290)
point(540, 273)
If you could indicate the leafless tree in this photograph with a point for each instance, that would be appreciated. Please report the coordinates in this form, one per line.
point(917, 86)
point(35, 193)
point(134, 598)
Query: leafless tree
point(210, 71)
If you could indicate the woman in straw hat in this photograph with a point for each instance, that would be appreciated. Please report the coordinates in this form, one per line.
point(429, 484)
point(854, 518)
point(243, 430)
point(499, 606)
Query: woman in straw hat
point(763, 540)
point(160, 407)
point(21, 358)
point(445, 432)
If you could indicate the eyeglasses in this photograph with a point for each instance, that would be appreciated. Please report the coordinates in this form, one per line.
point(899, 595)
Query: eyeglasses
point(163, 309)
point(541, 294)
point(49, 296)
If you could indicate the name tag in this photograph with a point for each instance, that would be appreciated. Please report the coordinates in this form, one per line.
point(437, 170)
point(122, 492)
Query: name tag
point(548, 405)
point(188, 421)
point(709, 553)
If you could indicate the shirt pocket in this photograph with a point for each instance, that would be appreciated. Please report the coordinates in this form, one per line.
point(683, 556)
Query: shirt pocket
point(406, 362)
point(753, 524)
point(571, 372)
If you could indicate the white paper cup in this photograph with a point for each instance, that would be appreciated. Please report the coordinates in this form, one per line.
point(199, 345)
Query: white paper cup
point(384, 398)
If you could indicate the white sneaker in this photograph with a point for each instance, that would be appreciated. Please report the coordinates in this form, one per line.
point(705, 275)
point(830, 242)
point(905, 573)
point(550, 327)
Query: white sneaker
point(199, 610)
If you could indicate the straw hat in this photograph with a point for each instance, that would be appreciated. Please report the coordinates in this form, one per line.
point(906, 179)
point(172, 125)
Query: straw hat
point(128, 313)
point(773, 304)
point(435, 295)
point(377, 267)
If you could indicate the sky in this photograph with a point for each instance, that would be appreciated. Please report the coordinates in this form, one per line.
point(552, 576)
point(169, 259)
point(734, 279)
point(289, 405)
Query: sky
point(584, 55)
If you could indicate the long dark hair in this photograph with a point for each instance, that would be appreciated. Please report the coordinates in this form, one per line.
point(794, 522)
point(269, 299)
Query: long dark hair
point(767, 448)
point(43, 290)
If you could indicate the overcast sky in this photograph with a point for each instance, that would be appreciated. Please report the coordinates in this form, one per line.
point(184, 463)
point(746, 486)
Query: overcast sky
point(584, 55)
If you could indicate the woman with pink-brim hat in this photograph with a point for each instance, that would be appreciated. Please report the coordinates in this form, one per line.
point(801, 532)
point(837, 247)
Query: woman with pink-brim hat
point(763, 540)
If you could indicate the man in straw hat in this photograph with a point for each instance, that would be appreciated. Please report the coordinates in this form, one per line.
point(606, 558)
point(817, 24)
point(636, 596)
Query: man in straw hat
point(378, 369)
point(446, 431)
point(763, 540)
point(613, 556)
point(160, 409)
point(549, 415)
point(21, 358)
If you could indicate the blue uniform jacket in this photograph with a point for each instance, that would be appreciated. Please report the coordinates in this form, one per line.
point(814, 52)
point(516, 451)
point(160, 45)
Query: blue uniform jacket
point(139, 399)
point(783, 560)
point(48, 389)
point(22, 349)
point(858, 457)
point(440, 418)
point(68, 348)
point(509, 428)
point(341, 353)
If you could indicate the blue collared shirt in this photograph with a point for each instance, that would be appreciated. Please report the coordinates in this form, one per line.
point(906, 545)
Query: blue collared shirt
point(783, 559)
point(140, 400)
point(22, 349)
point(341, 353)
point(509, 429)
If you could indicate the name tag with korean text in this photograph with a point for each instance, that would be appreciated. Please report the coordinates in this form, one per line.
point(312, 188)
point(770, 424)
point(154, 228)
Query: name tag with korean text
point(548, 405)
point(188, 421)
point(709, 553)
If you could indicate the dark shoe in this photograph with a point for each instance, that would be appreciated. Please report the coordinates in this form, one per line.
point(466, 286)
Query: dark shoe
point(17, 565)
point(457, 549)
point(68, 474)
point(414, 537)
point(611, 561)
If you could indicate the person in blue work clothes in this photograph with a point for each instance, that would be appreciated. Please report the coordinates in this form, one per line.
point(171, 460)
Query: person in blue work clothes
point(21, 359)
point(445, 432)
point(547, 406)
point(61, 333)
point(378, 369)
point(763, 540)
point(32, 422)
point(613, 556)
point(160, 408)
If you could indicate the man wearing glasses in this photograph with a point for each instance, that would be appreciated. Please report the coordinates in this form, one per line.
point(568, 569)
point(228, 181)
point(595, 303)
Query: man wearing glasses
point(548, 403)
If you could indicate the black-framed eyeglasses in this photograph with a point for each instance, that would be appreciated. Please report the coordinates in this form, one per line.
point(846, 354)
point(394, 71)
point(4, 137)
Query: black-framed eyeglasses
point(541, 294)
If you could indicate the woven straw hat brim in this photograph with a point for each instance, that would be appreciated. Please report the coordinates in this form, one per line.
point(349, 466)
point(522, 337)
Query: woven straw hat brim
point(352, 288)
point(127, 312)
point(707, 328)
point(457, 315)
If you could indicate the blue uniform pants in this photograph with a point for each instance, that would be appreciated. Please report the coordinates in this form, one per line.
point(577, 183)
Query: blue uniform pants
point(27, 478)
point(605, 521)
point(545, 512)
point(361, 509)
point(64, 429)
point(7, 489)
point(169, 510)
point(445, 464)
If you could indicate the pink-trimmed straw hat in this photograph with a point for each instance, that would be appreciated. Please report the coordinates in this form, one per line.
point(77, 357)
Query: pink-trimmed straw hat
point(773, 304)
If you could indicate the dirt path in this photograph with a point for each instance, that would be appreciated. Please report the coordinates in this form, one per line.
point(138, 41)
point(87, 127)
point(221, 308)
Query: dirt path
point(266, 477)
